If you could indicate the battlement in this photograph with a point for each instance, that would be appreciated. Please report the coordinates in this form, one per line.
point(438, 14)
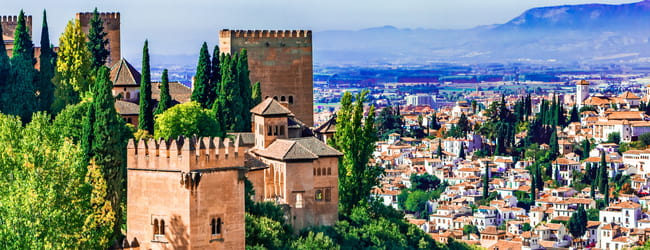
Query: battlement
point(102, 15)
point(13, 20)
point(185, 154)
point(226, 33)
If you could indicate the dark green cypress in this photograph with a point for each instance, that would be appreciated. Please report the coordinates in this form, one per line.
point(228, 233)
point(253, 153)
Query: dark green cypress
point(221, 108)
point(602, 177)
point(21, 94)
point(5, 72)
point(439, 151)
point(110, 136)
point(461, 154)
point(145, 119)
point(97, 41)
point(201, 85)
point(555, 147)
point(245, 91)
point(532, 186)
point(486, 180)
point(165, 99)
point(256, 94)
point(215, 76)
point(575, 116)
point(47, 63)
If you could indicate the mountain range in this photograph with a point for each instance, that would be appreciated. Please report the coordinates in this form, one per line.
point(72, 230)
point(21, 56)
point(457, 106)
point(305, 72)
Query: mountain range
point(590, 33)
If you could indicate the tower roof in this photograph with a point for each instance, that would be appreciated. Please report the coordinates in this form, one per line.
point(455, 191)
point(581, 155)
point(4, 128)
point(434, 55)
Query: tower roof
point(270, 107)
point(629, 95)
point(582, 82)
point(328, 127)
point(124, 74)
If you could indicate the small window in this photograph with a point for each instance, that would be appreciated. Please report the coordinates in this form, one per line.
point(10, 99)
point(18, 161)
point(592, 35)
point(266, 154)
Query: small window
point(275, 97)
point(314, 172)
point(299, 200)
point(329, 171)
point(275, 131)
point(328, 194)
point(156, 229)
point(162, 227)
point(283, 98)
point(282, 130)
point(219, 222)
point(318, 172)
point(290, 99)
point(213, 226)
point(319, 195)
point(270, 131)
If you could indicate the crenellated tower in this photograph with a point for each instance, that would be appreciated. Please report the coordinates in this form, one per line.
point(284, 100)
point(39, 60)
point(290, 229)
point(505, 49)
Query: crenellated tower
point(9, 27)
point(186, 193)
point(111, 27)
point(281, 60)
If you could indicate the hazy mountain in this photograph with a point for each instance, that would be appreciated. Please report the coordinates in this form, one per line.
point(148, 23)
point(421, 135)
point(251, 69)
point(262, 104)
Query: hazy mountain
point(572, 33)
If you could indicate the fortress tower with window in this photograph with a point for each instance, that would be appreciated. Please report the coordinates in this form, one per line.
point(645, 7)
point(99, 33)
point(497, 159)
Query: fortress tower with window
point(186, 194)
point(281, 60)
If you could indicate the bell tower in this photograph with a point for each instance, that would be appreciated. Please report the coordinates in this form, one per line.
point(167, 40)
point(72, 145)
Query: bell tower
point(582, 92)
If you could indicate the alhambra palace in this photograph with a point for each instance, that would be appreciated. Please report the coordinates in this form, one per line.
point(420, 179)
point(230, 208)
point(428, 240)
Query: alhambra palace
point(188, 193)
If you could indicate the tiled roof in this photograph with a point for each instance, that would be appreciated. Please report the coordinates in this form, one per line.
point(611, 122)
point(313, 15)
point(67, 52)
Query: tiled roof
point(317, 147)
point(628, 95)
point(127, 108)
point(124, 74)
point(179, 92)
point(328, 127)
point(270, 107)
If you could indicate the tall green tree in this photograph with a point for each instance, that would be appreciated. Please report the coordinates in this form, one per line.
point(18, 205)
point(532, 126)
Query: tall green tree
point(201, 86)
point(355, 137)
point(575, 116)
point(47, 62)
point(165, 98)
point(578, 223)
point(5, 73)
point(256, 95)
point(110, 136)
point(185, 119)
point(73, 67)
point(215, 76)
point(486, 180)
point(245, 90)
point(461, 154)
point(145, 119)
point(20, 96)
point(439, 151)
point(97, 41)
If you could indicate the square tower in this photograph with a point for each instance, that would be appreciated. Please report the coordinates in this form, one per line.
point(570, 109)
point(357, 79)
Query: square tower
point(281, 60)
point(111, 27)
point(186, 194)
point(9, 28)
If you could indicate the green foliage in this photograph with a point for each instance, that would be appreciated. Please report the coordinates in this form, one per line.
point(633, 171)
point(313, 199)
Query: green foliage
point(46, 73)
point(67, 122)
point(145, 119)
point(416, 202)
point(575, 116)
point(424, 182)
point(389, 121)
point(215, 75)
point(5, 72)
point(578, 223)
point(355, 137)
point(593, 214)
point(245, 91)
point(97, 41)
point(314, 241)
point(165, 98)
point(202, 87)
point(185, 119)
point(263, 231)
point(20, 95)
point(470, 229)
point(256, 94)
point(100, 223)
point(587, 108)
point(526, 227)
point(73, 67)
point(614, 137)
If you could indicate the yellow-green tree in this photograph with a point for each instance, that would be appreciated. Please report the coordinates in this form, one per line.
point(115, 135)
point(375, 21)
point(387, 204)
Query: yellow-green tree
point(98, 226)
point(73, 67)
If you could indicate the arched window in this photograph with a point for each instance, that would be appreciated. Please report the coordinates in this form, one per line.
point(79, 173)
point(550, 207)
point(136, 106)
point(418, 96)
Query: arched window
point(299, 200)
point(314, 172)
point(219, 226)
point(318, 172)
point(329, 171)
point(213, 226)
point(319, 195)
point(266, 97)
point(156, 229)
point(162, 227)
point(290, 99)
point(283, 98)
point(275, 97)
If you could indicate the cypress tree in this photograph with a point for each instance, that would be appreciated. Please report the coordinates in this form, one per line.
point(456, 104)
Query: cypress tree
point(539, 180)
point(201, 85)
point(234, 95)
point(439, 149)
point(215, 76)
point(256, 95)
point(532, 186)
point(221, 108)
point(588, 178)
point(592, 192)
point(110, 136)
point(47, 62)
point(486, 180)
point(245, 90)
point(555, 147)
point(21, 95)
point(575, 116)
point(165, 99)
point(461, 154)
point(145, 119)
point(602, 177)
point(97, 41)
point(5, 72)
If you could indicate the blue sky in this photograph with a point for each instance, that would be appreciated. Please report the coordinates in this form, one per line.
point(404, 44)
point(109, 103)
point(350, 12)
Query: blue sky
point(179, 27)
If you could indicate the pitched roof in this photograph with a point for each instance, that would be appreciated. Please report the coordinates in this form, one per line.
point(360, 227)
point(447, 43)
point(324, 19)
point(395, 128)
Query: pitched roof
point(178, 91)
point(124, 74)
point(306, 148)
point(270, 107)
point(317, 147)
point(328, 127)
point(127, 108)
point(628, 95)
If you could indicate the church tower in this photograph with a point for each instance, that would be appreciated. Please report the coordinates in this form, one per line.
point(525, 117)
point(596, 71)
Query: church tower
point(582, 92)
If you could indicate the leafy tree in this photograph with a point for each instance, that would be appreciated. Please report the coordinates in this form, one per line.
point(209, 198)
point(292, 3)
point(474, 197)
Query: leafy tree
point(47, 62)
point(424, 182)
point(256, 94)
point(526, 227)
point(587, 108)
point(463, 125)
point(145, 119)
point(434, 122)
point(109, 139)
point(416, 202)
point(614, 137)
point(100, 223)
point(265, 232)
point(314, 241)
point(97, 41)
point(73, 67)
point(355, 137)
point(578, 223)
point(185, 119)
point(165, 98)
point(20, 96)
point(67, 122)
point(470, 229)
point(389, 121)
point(202, 87)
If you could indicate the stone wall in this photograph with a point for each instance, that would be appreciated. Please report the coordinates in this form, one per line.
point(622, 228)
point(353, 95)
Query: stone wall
point(281, 61)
